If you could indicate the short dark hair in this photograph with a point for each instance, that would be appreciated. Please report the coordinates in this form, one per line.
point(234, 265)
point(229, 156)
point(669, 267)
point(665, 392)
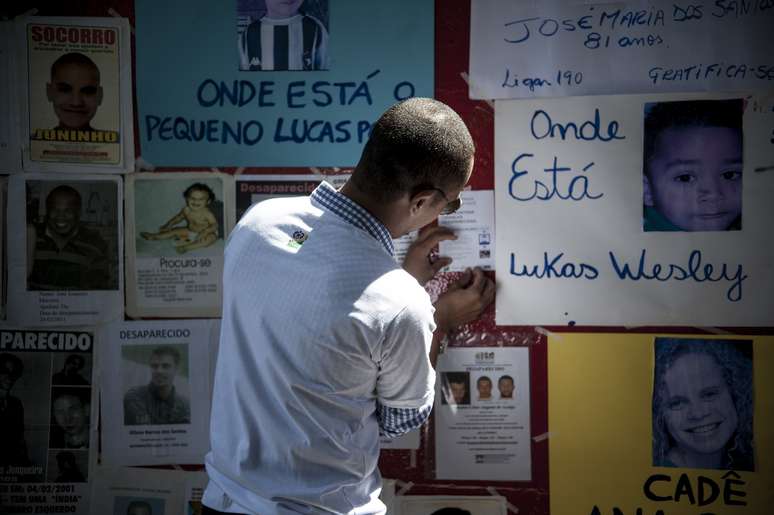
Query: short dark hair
point(505, 378)
point(417, 144)
point(74, 58)
point(688, 113)
point(482, 379)
point(451, 511)
point(139, 504)
point(167, 350)
point(199, 186)
point(16, 364)
point(64, 190)
point(76, 357)
point(457, 377)
point(83, 395)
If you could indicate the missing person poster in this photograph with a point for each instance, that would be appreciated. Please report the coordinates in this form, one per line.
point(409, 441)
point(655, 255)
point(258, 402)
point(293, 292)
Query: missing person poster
point(177, 224)
point(449, 505)
point(195, 483)
point(251, 189)
point(156, 407)
point(635, 210)
point(292, 84)
point(473, 224)
point(10, 149)
point(65, 249)
point(137, 491)
point(482, 414)
point(47, 420)
point(670, 424)
point(551, 49)
point(77, 88)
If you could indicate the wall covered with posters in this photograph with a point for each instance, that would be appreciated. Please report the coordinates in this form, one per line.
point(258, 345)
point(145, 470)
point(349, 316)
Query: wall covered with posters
point(563, 386)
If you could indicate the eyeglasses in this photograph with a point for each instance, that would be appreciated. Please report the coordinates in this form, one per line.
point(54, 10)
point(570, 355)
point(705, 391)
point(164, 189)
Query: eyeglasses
point(451, 205)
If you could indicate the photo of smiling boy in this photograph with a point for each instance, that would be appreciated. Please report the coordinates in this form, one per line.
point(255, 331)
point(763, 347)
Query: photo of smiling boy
point(77, 95)
point(692, 170)
point(74, 91)
point(72, 242)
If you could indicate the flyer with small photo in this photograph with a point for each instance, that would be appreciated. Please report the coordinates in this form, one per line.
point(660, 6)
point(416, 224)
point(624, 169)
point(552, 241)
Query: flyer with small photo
point(156, 408)
point(65, 249)
point(177, 225)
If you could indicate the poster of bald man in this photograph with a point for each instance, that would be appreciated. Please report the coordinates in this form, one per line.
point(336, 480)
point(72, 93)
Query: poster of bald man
point(65, 249)
point(77, 73)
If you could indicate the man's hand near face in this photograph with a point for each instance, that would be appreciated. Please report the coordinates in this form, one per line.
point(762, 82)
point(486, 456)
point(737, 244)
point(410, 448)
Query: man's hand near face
point(464, 300)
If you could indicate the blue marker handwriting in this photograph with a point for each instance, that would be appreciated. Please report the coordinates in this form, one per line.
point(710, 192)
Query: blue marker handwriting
point(542, 126)
point(577, 188)
point(693, 270)
point(554, 267)
point(704, 71)
point(595, 26)
point(520, 30)
point(557, 266)
point(280, 98)
point(561, 78)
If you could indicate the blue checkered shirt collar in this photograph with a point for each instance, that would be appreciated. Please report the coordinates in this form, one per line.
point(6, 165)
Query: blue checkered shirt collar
point(326, 196)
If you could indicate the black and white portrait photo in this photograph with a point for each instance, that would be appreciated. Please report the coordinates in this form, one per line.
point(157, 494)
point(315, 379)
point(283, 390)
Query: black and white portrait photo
point(692, 170)
point(157, 384)
point(72, 235)
point(455, 388)
point(703, 404)
point(70, 411)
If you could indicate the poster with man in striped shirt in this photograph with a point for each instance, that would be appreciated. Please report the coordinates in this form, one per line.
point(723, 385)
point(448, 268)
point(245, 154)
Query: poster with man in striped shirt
point(280, 35)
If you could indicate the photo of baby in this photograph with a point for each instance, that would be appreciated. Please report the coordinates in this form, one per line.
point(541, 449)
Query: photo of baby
point(692, 169)
point(178, 216)
point(200, 227)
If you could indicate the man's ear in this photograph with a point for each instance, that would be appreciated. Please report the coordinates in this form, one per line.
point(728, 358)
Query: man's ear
point(99, 96)
point(647, 194)
point(419, 199)
point(50, 91)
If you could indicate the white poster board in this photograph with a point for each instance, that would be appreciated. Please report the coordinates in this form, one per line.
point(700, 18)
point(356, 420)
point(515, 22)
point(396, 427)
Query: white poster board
point(176, 230)
point(555, 48)
point(580, 240)
point(135, 491)
point(65, 249)
point(156, 407)
point(482, 414)
point(48, 420)
point(76, 89)
point(473, 224)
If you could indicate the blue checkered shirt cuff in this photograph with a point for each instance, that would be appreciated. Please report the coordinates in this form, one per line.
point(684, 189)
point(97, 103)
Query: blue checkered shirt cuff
point(397, 421)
